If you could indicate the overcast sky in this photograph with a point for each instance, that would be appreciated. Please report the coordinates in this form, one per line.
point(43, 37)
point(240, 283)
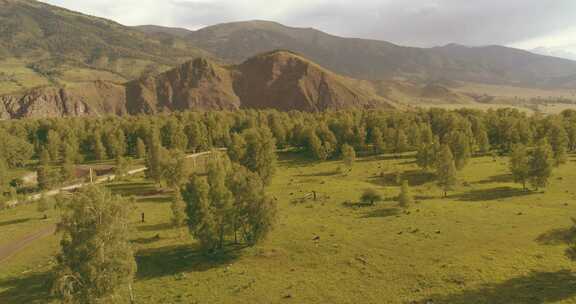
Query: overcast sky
point(548, 24)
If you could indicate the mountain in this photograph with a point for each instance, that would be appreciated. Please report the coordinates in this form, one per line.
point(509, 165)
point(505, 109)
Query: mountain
point(280, 80)
point(42, 44)
point(376, 60)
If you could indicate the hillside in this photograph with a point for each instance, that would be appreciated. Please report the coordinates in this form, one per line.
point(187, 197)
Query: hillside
point(376, 60)
point(279, 80)
point(42, 44)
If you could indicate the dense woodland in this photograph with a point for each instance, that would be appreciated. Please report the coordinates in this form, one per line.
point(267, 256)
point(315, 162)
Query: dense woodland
point(54, 146)
point(227, 205)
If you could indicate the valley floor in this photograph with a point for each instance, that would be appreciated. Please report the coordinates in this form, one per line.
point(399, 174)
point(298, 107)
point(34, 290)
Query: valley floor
point(488, 242)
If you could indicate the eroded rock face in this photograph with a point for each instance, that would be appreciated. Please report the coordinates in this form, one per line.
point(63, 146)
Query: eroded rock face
point(97, 98)
point(277, 80)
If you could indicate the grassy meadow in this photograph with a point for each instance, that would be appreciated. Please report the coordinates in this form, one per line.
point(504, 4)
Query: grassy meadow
point(488, 242)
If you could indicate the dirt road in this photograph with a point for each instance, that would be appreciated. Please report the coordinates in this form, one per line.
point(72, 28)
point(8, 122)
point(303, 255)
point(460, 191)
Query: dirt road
point(8, 250)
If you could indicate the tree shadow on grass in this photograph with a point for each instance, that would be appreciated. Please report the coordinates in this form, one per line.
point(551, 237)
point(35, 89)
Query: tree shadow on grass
point(536, 288)
point(558, 236)
point(385, 212)
point(29, 289)
point(387, 157)
point(148, 240)
point(172, 260)
point(414, 178)
point(320, 174)
point(155, 227)
point(14, 222)
point(500, 178)
point(154, 199)
point(491, 194)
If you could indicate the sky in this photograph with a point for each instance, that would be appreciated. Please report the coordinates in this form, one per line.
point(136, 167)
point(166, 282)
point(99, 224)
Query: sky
point(546, 25)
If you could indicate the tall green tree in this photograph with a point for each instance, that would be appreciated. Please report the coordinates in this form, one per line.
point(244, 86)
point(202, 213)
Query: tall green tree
point(348, 155)
point(260, 154)
point(378, 141)
point(446, 170)
point(541, 164)
point(202, 223)
point(405, 198)
point(96, 263)
point(178, 207)
point(520, 164)
point(140, 148)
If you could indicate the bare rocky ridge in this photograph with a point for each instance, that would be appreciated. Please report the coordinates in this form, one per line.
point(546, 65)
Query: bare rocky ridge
point(280, 80)
point(96, 98)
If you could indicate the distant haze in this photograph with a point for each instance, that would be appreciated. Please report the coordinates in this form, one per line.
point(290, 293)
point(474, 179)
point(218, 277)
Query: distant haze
point(529, 24)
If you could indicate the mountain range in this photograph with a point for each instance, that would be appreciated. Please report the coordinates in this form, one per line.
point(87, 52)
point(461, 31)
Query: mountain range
point(56, 62)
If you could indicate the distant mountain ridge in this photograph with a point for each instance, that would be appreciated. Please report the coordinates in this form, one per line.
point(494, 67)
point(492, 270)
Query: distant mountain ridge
point(376, 60)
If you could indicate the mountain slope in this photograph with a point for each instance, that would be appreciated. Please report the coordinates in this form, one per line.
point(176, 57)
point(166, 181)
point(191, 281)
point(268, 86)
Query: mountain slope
point(58, 46)
point(371, 59)
point(280, 80)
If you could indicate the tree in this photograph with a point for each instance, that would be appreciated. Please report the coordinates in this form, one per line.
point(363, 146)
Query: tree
point(54, 144)
point(201, 221)
point(460, 146)
point(446, 170)
point(260, 154)
point(154, 158)
point(427, 155)
point(173, 168)
point(43, 205)
point(541, 164)
point(558, 139)
point(178, 207)
point(98, 148)
point(405, 198)
point(254, 213)
point(122, 167)
point(370, 196)
point(96, 263)
point(348, 155)
point(4, 179)
point(378, 140)
point(14, 150)
point(400, 142)
point(520, 164)
point(140, 148)
point(221, 198)
point(237, 148)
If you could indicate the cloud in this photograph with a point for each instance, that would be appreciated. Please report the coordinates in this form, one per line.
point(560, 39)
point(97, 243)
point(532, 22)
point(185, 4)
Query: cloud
point(408, 22)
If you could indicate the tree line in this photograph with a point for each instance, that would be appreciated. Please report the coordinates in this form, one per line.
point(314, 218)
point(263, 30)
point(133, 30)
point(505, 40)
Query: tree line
point(54, 146)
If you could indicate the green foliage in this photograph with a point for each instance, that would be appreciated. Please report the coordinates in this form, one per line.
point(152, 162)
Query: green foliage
point(173, 168)
point(427, 155)
point(178, 207)
point(405, 198)
point(230, 202)
point(348, 155)
point(400, 142)
point(378, 141)
point(520, 164)
point(370, 196)
point(541, 164)
point(260, 156)
point(460, 146)
point(201, 220)
point(237, 148)
point(446, 170)
point(140, 148)
point(96, 263)
point(15, 150)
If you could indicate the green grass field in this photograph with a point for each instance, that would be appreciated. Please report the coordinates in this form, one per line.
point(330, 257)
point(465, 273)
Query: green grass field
point(488, 242)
